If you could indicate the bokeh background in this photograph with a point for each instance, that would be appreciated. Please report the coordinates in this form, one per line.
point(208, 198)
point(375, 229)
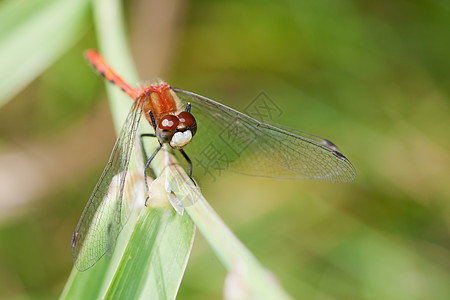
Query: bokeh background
point(372, 76)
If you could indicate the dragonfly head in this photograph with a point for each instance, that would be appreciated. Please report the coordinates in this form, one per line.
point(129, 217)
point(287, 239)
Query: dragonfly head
point(176, 130)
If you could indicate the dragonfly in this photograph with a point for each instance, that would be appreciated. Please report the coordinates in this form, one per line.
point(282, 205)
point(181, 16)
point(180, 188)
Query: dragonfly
point(228, 140)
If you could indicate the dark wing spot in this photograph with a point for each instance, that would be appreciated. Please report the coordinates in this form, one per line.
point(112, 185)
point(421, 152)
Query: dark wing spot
point(339, 155)
point(74, 239)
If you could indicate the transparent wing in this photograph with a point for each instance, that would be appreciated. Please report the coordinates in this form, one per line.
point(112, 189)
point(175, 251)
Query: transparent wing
point(306, 135)
point(106, 212)
point(229, 140)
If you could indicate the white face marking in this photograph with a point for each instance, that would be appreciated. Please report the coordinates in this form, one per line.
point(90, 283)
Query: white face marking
point(180, 139)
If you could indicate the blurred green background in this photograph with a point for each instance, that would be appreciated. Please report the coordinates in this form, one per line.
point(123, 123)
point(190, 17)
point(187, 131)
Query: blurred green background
point(372, 76)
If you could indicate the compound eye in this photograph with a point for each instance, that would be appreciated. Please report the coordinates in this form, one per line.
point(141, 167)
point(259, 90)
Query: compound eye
point(188, 119)
point(168, 122)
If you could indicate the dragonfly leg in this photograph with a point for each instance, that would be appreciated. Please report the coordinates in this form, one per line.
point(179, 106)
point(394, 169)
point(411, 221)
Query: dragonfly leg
point(188, 107)
point(143, 148)
point(147, 165)
point(152, 117)
point(186, 157)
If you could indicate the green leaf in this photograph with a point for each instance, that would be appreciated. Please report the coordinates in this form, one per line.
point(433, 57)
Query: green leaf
point(33, 35)
point(153, 267)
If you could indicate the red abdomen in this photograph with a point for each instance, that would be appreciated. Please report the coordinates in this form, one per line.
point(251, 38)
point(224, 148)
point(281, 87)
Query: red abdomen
point(159, 99)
